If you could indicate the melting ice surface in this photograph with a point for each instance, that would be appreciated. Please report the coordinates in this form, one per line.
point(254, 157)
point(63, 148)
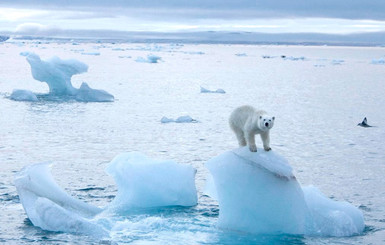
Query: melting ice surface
point(57, 74)
point(258, 193)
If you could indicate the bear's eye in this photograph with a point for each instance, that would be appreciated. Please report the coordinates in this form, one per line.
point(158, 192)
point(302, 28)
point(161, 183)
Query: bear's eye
point(264, 119)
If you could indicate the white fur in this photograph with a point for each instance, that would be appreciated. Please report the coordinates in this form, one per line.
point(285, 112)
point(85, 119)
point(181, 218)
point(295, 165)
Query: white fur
point(246, 122)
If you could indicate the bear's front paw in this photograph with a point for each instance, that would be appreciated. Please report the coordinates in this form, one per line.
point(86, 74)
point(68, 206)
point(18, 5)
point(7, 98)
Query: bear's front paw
point(253, 148)
point(267, 148)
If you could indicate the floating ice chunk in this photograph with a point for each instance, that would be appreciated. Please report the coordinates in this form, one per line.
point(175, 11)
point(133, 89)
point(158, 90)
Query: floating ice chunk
point(150, 59)
point(293, 58)
point(219, 91)
point(91, 53)
point(25, 53)
point(380, 61)
point(144, 182)
point(181, 119)
point(269, 57)
point(185, 119)
point(51, 208)
point(23, 95)
point(87, 94)
point(56, 73)
point(166, 120)
point(258, 193)
point(330, 218)
point(337, 62)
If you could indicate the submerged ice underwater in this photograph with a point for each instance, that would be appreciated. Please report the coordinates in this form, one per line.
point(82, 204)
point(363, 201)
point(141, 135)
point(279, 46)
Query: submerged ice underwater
point(236, 197)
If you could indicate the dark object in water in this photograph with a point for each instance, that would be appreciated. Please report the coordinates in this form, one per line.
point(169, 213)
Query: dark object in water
point(364, 123)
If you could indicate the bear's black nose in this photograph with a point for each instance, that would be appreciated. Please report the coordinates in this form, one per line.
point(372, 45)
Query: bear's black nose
point(267, 124)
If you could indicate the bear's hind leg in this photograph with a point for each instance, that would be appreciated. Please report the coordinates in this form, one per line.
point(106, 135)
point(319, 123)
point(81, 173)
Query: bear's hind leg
point(251, 142)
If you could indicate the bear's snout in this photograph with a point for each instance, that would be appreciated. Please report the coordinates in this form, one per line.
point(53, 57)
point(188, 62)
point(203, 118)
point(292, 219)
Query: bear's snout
point(266, 124)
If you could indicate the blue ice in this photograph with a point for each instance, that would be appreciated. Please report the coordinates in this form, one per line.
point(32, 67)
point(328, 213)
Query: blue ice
point(257, 193)
point(57, 73)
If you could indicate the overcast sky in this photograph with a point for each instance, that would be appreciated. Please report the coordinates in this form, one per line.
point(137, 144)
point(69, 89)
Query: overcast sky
point(270, 16)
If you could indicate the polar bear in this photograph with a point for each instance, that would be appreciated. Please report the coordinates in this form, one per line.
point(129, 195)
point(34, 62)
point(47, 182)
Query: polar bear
point(246, 122)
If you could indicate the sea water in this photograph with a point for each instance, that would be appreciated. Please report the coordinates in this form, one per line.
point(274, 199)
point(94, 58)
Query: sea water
point(318, 97)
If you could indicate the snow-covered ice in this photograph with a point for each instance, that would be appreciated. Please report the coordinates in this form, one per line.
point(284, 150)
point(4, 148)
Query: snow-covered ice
point(258, 193)
point(91, 53)
point(380, 61)
point(23, 95)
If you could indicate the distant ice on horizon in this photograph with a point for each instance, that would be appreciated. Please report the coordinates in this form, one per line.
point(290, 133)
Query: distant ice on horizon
point(181, 119)
point(150, 59)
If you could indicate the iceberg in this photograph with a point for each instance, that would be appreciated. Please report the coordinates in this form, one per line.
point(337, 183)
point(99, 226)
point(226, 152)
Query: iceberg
point(219, 91)
point(258, 193)
point(380, 61)
point(145, 183)
point(57, 74)
point(142, 183)
point(23, 95)
point(50, 207)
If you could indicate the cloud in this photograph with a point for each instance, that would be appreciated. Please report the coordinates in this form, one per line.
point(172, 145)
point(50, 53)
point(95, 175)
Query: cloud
point(222, 9)
point(35, 29)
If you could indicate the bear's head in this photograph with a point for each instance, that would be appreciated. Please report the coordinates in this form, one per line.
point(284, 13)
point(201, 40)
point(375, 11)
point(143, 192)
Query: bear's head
point(266, 122)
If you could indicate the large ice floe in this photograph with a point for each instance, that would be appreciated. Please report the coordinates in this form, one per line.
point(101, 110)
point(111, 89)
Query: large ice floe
point(142, 183)
point(258, 193)
point(57, 74)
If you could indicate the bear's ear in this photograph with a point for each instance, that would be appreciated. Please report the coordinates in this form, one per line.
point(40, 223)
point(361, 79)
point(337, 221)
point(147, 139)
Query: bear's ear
point(273, 118)
point(260, 117)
